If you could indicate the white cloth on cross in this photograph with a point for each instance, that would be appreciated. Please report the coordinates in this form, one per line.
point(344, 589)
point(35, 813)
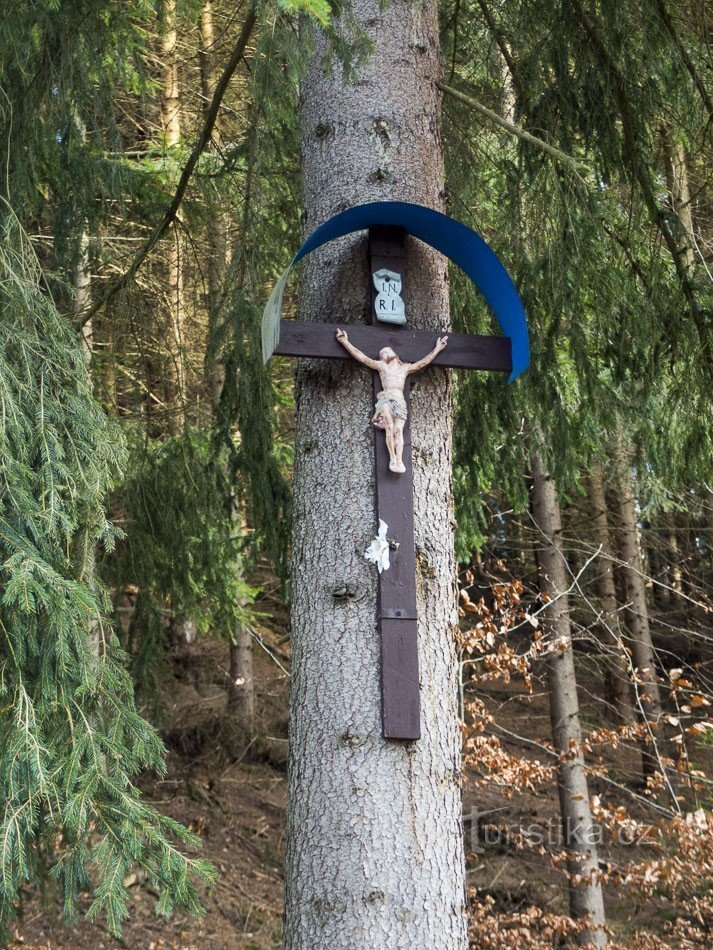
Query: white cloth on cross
point(378, 550)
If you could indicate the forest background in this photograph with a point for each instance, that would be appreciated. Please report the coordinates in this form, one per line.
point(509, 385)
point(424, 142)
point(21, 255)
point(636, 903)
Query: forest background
point(149, 199)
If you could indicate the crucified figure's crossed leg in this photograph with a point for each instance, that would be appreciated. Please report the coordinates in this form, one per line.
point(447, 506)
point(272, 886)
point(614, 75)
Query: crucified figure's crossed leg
point(393, 427)
point(398, 456)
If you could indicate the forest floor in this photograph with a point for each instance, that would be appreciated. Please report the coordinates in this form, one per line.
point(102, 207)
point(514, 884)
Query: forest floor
point(233, 794)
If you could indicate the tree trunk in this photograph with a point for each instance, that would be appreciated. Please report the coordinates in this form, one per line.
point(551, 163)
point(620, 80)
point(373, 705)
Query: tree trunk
point(688, 555)
point(82, 295)
point(707, 502)
point(610, 626)
point(585, 891)
point(677, 180)
point(241, 691)
point(374, 842)
point(207, 55)
point(171, 130)
point(673, 559)
point(81, 301)
point(241, 695)
point(217, 223)
point(636, 612)
point(658, 567)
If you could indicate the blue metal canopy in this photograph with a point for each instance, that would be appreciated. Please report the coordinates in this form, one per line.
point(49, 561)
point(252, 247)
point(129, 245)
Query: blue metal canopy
point(463, 246)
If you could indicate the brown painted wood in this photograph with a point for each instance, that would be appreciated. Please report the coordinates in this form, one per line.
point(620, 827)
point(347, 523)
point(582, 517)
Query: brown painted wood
point(464, 351)
point(400, 714)
point(394, 504)
point(396, 596)
point(396, 600)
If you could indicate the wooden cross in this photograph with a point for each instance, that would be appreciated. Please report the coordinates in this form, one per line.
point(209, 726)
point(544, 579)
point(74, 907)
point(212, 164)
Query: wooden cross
point(396, 604)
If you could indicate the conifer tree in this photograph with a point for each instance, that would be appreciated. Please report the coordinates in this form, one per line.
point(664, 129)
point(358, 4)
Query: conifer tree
point(73, 740)
point(373, 835)
point(585, 889)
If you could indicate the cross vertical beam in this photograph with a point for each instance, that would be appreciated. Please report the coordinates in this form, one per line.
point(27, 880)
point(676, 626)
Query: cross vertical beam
point(396, 596)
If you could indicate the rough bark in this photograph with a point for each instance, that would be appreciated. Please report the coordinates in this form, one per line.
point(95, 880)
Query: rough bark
point(374, 843)
point(610, 627)
point(636, 611)
point(585, 891)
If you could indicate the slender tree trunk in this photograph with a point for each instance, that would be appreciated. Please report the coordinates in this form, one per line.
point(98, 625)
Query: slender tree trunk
point(518, 544)
point(374, 842)
point(82, 295)
point(585, 890)
point(171, 129)
point(182, 631)
point(571, 515)
point(658, 566)
point(170, 87)
point(610, 627)
point(81, 300)
point(241, 697)
point(673, 558)
point(689, 533)
point(636, 612)
point(207, 54)
point(218, 224)
point(677, 180)
point(679, 187)
point(707, 502)
point(241, 692)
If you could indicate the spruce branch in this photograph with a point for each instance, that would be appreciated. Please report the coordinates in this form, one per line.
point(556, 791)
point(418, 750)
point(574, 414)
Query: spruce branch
point(73, 740)
point(199, 147)
point(506, 54)
point(639, 172)
point(667, 21)
point(578, 168)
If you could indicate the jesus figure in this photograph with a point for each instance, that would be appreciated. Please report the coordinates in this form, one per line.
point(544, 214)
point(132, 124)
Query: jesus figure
point(390, 413)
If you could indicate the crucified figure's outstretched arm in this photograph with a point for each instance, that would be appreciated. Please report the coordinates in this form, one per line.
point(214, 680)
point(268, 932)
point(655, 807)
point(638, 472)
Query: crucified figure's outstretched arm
point(430, 357)
point(357, 354)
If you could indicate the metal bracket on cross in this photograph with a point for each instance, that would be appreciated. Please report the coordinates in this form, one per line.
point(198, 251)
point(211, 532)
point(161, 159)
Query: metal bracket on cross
point(387, 223)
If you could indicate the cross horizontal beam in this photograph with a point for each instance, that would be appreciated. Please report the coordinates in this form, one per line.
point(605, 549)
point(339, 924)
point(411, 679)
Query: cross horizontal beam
point(318, 341)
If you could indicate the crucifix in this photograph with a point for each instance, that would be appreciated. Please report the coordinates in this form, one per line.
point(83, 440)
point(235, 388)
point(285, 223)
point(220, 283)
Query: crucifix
point(376, 345)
